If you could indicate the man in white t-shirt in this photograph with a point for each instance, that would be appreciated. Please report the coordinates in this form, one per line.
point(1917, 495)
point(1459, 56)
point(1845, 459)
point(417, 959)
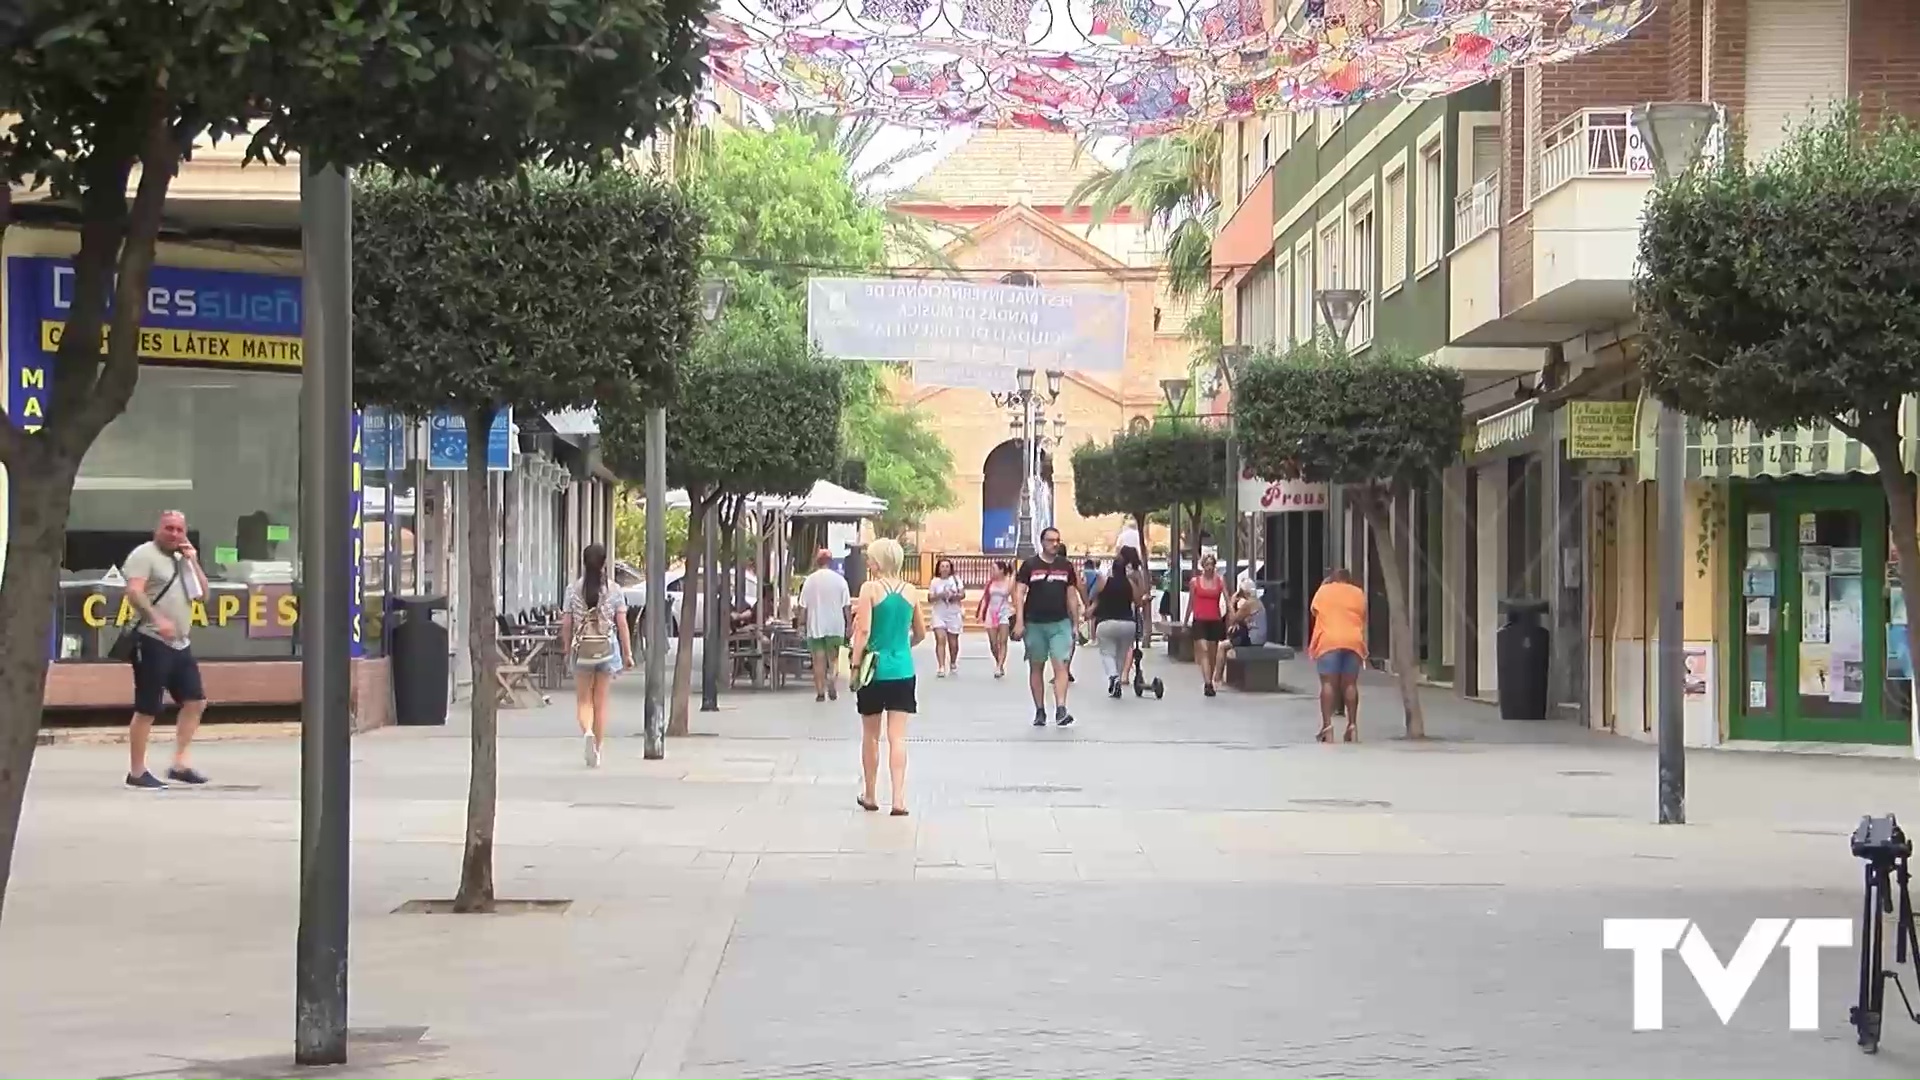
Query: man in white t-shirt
point(1129, 538)
point(826, 610)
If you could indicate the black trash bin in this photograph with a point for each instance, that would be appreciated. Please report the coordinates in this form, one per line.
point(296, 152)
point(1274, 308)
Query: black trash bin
point(419, 660)
point(1521, 648)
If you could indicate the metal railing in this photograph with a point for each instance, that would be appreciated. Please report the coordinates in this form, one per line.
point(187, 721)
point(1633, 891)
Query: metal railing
point(1476, 210)
point(1591, 142)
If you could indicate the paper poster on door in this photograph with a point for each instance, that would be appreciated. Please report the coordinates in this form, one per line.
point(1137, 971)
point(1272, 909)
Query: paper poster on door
point(1848, 560)
point(1816, 559)
point(1756, 696)
point(1814, 663)
point(1759, 530)
point(1813, 609)
point(1809, 529)
point(1759, 616)
point(1846, 615)
point(1757, 578)
point(1849, 677)
point(1699, 658)
point(1899, 653)
point(1897, 607)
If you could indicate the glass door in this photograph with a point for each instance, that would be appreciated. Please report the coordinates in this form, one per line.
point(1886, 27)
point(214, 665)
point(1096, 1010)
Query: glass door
point(1812, 609)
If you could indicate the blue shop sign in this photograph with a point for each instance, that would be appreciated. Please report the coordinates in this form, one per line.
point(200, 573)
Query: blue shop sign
point(447, 440)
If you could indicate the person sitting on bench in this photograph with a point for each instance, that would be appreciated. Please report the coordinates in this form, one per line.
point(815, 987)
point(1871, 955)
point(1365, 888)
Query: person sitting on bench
point(1247, 622)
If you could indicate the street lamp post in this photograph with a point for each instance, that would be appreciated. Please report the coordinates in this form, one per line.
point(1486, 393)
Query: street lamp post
point(1175, 391)
point(1029, 424)
point(1233, 361)
point(326, 633)
point(1338, 309)
point(1676, 133)
point(713, 645)
point(713, 298)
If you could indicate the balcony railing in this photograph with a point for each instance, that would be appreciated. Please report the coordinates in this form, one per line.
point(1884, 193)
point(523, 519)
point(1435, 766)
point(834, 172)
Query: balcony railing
point(1591, 142)
point(1476, 210)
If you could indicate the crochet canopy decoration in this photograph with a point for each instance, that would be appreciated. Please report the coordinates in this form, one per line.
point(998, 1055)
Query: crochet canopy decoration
point(1132, 67)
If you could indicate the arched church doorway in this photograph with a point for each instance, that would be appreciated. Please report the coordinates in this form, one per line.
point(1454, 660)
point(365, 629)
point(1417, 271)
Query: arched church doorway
point(1000, 497)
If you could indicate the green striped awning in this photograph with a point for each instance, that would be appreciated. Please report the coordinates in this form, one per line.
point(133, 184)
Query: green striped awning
point(1727, 450)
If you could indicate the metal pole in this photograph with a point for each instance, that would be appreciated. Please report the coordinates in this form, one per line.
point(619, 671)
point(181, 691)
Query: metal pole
point(326, 635)
point(1230, 547)
point(1670, 469)
point(655, 742)
point(715, 645)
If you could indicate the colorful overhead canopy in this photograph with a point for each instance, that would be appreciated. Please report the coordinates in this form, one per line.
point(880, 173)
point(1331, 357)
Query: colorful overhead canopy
point(1131, 67)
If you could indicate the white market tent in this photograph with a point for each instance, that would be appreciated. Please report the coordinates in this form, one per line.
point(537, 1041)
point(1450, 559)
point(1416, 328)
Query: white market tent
point(826, 500)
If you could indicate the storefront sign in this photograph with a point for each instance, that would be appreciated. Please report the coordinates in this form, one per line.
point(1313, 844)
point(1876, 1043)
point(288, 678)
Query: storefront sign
point(1260, 496)
point(447, 441)
point(1600, 429)
point(357, 509)
point(191, 316)
point(266, 611)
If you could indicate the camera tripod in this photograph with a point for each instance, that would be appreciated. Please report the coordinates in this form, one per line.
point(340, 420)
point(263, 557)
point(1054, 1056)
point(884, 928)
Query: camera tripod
point(1886, 849)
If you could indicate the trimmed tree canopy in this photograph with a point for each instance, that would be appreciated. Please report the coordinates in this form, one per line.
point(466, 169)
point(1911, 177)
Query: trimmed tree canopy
point(555, 292)
point(752, 412)
point(1318, 414)
point(1096, 481)
point(1784, 293)
point(459, 88)
point(1171, 462)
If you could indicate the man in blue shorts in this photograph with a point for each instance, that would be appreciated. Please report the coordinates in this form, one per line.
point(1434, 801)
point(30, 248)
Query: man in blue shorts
point(1047, 608)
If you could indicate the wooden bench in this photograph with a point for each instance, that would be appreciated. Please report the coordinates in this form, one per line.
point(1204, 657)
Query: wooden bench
point(1255, 669)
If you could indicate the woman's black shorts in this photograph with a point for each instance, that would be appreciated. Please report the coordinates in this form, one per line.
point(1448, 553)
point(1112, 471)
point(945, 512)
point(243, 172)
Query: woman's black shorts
point(1210, 629)
point(885, 695)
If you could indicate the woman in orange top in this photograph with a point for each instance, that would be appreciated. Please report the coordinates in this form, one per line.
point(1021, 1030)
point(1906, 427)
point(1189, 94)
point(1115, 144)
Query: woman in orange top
point(1338, 648)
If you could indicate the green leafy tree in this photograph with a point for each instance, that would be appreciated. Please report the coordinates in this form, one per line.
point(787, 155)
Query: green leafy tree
point(1782, 294)
point(1376, 426)
point(1174, 463)
point(630, 529)
point(907, 463)
point(101, 88)
point(754, 411)
point(553, 291)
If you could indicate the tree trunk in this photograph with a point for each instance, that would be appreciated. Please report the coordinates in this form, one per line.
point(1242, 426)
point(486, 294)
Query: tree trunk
point(483, 781)
point(677, 720)
point(1882, 436)
point(36, 534)
point(1376, 505)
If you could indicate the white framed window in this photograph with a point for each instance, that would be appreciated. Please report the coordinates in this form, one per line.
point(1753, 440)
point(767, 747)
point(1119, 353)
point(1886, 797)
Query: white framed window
point(1283, 329)
point(1393, 252)
point(1302, 120)
point(1246, 159)
point(1303, 310)
point(1266, 143)
point(1329, 121)
point(1363, 238)
point(1430, 212)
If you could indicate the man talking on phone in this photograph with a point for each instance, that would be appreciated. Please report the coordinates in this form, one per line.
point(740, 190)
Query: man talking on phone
point(163, 580)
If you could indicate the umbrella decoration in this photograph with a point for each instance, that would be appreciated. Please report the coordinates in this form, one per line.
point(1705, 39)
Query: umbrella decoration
point(1132, 67)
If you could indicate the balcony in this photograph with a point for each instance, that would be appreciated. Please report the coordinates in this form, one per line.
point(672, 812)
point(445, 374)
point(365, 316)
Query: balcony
point(1587, 185)
point(1473, 268)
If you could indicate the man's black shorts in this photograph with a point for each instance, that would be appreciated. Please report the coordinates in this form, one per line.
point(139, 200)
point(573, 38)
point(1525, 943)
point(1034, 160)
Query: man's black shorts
point(160, 670)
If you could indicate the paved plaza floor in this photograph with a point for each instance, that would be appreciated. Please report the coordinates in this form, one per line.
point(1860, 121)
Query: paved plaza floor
point(1187, 887)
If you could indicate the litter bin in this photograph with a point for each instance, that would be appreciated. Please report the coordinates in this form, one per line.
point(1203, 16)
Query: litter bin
point(419, 660)
point(1521, 648)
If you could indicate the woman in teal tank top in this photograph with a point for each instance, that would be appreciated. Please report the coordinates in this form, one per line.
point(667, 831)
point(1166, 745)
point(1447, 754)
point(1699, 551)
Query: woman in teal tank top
point(886, 626)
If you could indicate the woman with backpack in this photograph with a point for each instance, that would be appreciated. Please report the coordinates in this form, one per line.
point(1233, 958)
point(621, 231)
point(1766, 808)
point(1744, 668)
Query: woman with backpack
point(593, 629)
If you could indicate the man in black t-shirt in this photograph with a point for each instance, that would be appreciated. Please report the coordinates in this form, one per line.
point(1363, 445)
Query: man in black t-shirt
point(1047, 608)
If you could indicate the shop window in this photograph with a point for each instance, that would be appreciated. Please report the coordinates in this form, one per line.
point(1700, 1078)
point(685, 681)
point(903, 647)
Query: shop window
point(222, 447)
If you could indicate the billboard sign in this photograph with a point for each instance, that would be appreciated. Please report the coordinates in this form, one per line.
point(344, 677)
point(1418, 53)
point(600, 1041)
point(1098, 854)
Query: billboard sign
point(970, 323)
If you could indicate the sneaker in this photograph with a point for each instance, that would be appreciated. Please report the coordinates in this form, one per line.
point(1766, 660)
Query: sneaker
point(1061, 717)
point(184, 775)
point(146, 781)
point(1040, 717)
point(589, 752)
point(1113, 686)
point(819, 697)
point(833, 693)
point(1209, 690)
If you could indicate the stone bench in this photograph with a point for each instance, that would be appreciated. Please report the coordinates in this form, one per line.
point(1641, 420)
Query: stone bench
point(1255, 669)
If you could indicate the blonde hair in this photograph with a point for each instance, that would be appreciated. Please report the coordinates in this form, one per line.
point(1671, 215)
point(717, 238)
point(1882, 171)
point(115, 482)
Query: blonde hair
point(884, 556)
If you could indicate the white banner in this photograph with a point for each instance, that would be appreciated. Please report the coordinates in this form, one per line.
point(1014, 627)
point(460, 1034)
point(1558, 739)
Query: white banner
point(990, 377)
point(1014, 326)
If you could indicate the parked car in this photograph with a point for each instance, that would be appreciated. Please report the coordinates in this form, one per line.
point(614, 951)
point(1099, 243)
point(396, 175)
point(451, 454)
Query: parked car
point(632, 584)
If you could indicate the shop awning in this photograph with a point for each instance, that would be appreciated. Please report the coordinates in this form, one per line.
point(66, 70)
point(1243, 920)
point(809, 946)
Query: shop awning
point(574, 425)
point(1726, 450)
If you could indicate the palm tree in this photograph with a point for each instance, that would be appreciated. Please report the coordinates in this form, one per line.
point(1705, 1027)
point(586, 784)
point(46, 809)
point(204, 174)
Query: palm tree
point(1174, 182)
point(921, 241)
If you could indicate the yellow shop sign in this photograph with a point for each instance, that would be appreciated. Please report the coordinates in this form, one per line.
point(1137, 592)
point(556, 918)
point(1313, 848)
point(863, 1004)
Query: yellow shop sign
point(256, 610)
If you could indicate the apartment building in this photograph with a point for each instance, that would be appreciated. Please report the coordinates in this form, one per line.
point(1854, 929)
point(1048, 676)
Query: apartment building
point(1529, 294)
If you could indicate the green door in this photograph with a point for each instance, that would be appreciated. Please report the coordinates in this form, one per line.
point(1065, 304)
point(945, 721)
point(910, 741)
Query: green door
point(1811, 608)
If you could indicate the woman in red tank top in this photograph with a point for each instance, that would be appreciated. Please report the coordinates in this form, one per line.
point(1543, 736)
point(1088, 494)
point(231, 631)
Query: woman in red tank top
point(1207, 620)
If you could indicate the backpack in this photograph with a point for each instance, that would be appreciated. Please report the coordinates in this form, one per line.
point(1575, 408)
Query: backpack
point(592, 643)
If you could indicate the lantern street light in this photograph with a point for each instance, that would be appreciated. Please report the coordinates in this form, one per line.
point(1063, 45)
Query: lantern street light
point(1028, 424)
point(1233, 362)
point(1676, 134)
point(1338, 309)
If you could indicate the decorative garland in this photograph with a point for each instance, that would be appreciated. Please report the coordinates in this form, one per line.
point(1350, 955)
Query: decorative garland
point(1131, 67)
